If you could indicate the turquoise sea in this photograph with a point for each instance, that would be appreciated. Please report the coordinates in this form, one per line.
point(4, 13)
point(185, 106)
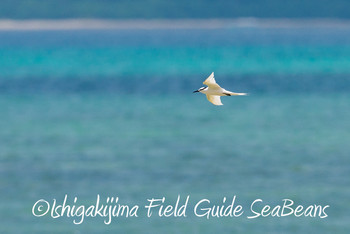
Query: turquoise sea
point(111, 112)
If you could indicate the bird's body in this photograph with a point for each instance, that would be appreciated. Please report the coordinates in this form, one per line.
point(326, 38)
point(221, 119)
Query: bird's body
point(214, 91)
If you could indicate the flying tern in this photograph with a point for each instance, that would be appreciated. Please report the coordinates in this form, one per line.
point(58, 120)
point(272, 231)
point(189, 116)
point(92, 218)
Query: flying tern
point(214, 91)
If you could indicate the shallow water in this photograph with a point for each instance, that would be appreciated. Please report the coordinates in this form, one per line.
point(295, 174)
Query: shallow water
point(112, 113)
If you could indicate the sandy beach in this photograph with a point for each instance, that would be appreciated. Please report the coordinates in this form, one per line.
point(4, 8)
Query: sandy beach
point(92, 24)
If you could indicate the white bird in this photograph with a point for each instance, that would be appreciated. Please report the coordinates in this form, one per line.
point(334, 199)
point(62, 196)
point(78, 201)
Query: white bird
point(214, 91)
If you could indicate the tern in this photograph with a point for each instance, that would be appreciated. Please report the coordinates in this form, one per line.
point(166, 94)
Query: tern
point(214, 91)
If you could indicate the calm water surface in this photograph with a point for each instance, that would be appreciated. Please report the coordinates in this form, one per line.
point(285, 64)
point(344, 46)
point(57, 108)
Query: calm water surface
point(112, 113)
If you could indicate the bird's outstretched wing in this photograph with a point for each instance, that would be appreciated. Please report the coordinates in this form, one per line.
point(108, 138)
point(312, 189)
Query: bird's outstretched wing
point(210, 82)
point(214, 99)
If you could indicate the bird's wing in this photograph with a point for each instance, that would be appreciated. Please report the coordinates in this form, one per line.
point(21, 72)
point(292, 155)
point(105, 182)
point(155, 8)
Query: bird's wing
point(214, 99)
point(210, 81)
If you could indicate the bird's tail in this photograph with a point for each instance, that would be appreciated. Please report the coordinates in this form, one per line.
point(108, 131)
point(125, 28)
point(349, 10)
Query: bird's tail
point(238, 94)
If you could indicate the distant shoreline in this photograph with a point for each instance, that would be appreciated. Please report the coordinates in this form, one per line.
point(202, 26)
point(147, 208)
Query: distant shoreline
point(96, 24)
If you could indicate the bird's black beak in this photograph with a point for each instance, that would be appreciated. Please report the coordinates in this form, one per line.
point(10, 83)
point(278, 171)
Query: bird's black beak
point(196, 91)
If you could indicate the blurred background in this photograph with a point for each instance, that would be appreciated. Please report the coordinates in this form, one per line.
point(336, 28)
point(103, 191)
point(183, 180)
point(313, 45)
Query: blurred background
point(110, 111)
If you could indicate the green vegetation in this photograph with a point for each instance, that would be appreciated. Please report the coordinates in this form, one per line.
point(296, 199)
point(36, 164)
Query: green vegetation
point(30, 9)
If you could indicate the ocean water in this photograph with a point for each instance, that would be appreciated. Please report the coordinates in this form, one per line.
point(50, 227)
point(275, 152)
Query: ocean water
point(111, 112)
